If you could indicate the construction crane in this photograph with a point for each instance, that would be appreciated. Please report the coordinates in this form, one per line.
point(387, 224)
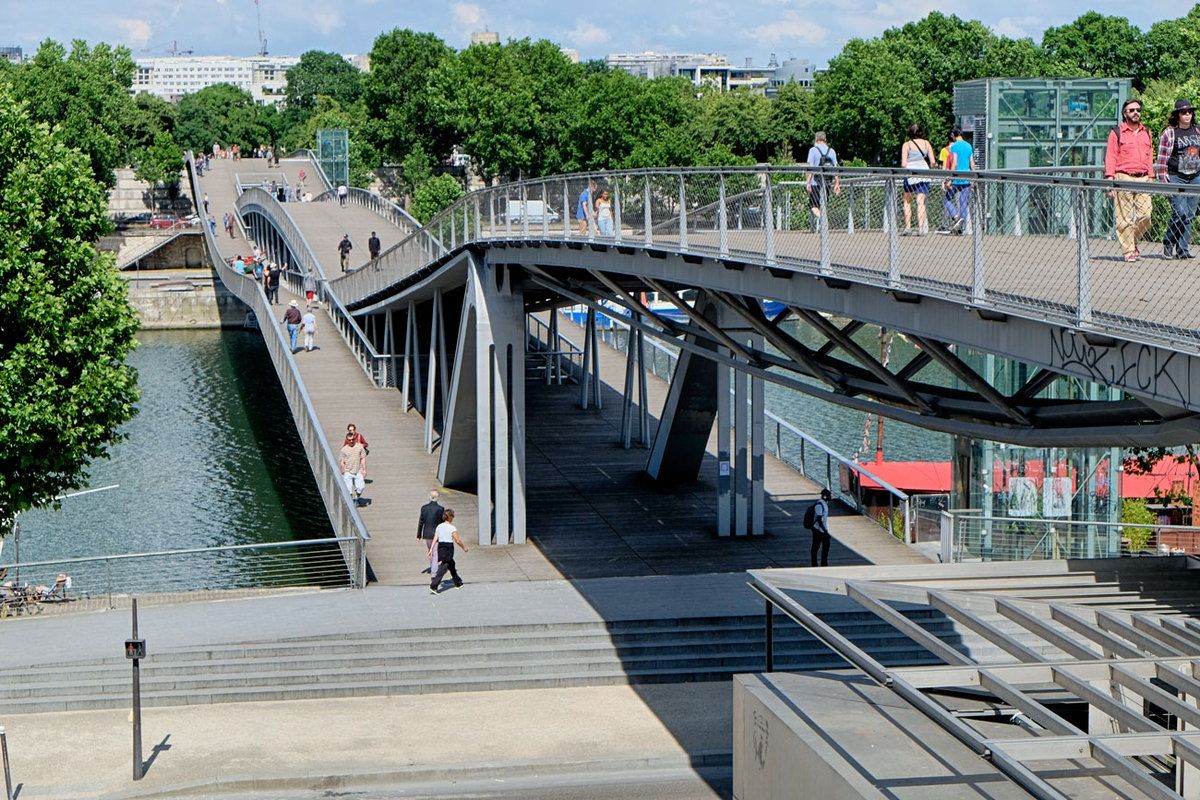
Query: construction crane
point(173, 49)
point(262, 39)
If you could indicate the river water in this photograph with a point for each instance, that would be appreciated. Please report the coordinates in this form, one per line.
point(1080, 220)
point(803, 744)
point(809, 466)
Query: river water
point(212, 458)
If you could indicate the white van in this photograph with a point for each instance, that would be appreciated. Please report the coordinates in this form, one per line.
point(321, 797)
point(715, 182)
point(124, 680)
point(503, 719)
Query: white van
point(533, 211)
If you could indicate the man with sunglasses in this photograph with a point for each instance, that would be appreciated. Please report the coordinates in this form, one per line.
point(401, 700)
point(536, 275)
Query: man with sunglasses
point(1178, 162)
point(1130, 157)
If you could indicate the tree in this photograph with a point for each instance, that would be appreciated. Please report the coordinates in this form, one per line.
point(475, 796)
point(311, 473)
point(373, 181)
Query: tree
point(1107, 47)
point(398, 97)
point(149, 115)
point(226, 115)
point(867, 98)
point(328, 113)
point(626, 122)
point(738, 121)
point(84, 95)
point(65, 323)
point(1173, 47)
point(160, 162)
point(320, 74)
point(791, 119)
point(434, 195)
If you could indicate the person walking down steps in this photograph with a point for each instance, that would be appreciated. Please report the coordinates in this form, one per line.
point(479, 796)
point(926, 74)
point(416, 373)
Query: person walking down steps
point(446, 537)
point(816, 519)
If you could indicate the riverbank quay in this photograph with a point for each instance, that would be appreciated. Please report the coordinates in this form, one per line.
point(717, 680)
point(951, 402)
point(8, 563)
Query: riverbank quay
point(231, 747)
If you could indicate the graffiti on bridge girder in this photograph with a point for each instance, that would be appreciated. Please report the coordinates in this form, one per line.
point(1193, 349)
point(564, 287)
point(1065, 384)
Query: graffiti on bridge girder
point(1138, 368)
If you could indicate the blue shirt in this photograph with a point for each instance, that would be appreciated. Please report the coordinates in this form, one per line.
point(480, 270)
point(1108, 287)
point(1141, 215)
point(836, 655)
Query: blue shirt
point(962, 151)
point(585, 200)
point(817, 151)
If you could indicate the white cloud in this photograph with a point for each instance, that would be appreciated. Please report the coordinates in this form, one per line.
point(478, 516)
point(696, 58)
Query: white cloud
point(791, 27)
point(326, 21)
point(1019, 27)
point(136, 32)
point(467, 17)
point(587, 33)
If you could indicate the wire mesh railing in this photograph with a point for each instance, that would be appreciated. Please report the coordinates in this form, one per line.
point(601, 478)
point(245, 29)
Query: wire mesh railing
point(1047, 246)
point(35, 586)
point(977, 537)
point(800, 451)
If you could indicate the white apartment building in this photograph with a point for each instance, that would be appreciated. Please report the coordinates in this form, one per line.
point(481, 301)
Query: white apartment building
point(264, 77)
point(713, 69)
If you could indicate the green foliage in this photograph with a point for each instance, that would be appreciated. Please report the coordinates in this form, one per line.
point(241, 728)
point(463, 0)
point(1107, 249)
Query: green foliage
point(84, 95)
point(1135, 512)
point(1098, 45)
point(148, 116)
point(625, 122)
point(226, 115)
point(397, 94)
point(328, 113)
point(320, 74)
point(65, 323)
point(434, 195)
point(417, 167)
point(161, 162)
point(893, 522)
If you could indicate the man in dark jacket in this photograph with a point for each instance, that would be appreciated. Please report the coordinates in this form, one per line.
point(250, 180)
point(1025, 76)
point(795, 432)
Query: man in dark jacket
point(431, 517)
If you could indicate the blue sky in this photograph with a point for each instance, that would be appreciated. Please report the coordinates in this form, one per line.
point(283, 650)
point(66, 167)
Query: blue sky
point(737, 28)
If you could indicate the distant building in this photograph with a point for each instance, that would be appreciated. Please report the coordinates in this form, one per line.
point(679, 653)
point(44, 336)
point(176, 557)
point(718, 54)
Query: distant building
point(571, 54)
point(713, 69)
point(485, 37)
point(264, 77)
point(12, 54)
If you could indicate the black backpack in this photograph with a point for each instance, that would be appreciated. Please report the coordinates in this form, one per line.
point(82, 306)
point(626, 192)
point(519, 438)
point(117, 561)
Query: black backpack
point(826, 159)
point(810, 516)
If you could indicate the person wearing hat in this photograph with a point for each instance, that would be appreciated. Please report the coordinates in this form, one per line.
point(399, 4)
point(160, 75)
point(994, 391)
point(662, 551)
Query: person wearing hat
point(292, 319)
point(1130, 157)
point(344, 248)
point(1178, 162)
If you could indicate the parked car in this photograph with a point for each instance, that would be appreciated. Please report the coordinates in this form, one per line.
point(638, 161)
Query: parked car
point(535, 211)
point(165, 221)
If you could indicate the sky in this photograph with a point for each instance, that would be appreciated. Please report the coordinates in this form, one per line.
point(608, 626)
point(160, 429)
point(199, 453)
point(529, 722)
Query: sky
point(811, 29)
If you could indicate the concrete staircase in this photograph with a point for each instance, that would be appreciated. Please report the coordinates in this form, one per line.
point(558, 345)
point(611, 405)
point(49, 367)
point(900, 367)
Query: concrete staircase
point(458, 659)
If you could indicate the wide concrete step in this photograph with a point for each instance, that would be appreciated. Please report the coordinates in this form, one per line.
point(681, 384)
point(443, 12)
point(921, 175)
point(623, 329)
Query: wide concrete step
point(450, 679)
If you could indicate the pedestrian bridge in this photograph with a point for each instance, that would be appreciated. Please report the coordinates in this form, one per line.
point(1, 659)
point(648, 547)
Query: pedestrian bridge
point(445, 313)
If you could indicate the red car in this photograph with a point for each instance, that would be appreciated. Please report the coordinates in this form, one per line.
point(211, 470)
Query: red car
point(165, 221)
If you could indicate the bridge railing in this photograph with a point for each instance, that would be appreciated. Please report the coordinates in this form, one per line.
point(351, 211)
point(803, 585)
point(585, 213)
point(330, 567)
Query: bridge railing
point(343, 514)
point(982, 538)
point(318, 169)
point(1039, 245)
point(379, 367)
point(390, 212)
point(800, 451)
point(553, 354)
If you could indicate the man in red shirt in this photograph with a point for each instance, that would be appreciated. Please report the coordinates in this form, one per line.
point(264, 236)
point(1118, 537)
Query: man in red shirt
point(1130, 157)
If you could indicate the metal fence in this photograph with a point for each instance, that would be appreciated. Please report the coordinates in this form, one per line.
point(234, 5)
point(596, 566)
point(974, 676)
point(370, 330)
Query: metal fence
point(549, 353)
point(347, 524)
point(317, 563)
point(377, 204)
point(981, 538)
point(800, 451)
point(1041, 245)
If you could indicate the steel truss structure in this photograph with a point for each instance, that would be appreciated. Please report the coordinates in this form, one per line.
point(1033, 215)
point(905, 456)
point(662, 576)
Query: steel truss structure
point(841, 371)
point(1117, 639)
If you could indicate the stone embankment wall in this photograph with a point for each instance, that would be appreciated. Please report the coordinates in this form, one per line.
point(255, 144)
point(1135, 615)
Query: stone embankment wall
point(184, 299)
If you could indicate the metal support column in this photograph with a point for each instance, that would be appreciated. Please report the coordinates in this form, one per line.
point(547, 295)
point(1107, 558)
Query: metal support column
point(724, 465)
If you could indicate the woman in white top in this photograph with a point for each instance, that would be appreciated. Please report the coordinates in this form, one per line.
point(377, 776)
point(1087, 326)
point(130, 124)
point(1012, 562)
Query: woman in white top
point(916, 154)
point(444, 539)
point(604, 214)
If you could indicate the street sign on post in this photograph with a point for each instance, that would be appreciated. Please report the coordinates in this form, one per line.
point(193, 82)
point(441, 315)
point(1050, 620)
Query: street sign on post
point(135, 650)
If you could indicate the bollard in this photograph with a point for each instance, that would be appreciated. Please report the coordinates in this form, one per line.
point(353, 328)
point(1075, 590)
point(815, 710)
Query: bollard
point(8, 794)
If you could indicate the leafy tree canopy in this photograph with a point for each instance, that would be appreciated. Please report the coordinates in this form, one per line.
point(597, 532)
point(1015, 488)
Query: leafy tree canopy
point(397, 96)
point(226, 115)
point(65, 323)
point(321, 74)
point(84, 95)
point(434, 195)
point(1099, 45)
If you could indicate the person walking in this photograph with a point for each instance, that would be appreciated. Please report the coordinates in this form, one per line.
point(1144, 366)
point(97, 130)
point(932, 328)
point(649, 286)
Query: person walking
point(344, 247)
point(604, 213)
point(229, 224)
point(309, 323)
point(292, 319)
point(820, 155)
point(373, 246)
point(961, 158)
point(1130, 157)
point(427, 521)
point(271, 280)
point(310, 287)
point(1178, 162)
point(583, 209)
point(916, 154)
point(350, 462)
point(206, 202)
point(352, 431)
point(819, 528)
point(343, 193)
point(446, 537)
point(212, 224)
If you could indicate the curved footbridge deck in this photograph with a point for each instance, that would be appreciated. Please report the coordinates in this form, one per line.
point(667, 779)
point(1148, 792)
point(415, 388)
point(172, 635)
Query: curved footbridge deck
point(592, 512)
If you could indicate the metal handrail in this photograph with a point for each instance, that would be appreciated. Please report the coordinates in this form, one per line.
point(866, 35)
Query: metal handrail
point(342, 509)
point(181, 551)
point(898, 495)
point(316, 162)
point(391, 212)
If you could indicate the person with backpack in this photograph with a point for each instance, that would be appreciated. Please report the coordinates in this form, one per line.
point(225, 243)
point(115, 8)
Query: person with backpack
point(1130, 157)
point(916, 154)
point(820, 155)
point(816, 519)
point(1178, 162)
